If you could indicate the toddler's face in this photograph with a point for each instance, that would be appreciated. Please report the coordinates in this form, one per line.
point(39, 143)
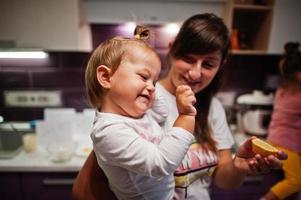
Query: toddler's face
point(132, 89)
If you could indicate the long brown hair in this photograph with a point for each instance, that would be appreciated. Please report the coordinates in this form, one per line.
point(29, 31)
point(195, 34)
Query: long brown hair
point(203, 34)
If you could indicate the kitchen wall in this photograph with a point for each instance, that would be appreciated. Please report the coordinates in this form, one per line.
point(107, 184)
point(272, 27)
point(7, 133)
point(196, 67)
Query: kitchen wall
point(148, 11)
point(285, 24)
point(58, 25)
point(63, 25)
point(52, 24)
point(64, 71)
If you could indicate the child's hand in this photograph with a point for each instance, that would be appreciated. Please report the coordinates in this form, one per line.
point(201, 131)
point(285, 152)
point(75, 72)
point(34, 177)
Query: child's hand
point(185, 100)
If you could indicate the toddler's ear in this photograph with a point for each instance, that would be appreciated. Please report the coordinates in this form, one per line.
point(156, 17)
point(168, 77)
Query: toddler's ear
point(103, 76)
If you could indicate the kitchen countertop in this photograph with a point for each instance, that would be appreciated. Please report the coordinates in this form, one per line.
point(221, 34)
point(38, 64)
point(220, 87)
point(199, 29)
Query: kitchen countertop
point(38, 161)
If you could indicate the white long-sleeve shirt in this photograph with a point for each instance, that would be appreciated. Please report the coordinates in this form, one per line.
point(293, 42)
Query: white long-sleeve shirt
point(197, 164)
point(137, 156)
point(162, 188)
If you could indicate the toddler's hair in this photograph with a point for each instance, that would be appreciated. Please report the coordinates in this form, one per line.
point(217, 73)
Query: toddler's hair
point(141, 32)
point(110, 53)
point(291, 62)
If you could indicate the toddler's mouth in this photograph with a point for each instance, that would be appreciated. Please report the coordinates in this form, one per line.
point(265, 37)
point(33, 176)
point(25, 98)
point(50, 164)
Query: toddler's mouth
point(144, 96)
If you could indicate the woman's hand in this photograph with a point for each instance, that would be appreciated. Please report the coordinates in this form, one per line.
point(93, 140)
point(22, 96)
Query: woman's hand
point(185, 100)
point(251, 163)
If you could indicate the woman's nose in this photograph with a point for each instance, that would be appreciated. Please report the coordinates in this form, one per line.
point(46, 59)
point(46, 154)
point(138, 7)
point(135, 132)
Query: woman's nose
point(195, 73)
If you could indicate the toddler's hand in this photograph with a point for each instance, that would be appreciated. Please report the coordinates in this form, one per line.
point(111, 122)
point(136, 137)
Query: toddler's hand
point(185, 100)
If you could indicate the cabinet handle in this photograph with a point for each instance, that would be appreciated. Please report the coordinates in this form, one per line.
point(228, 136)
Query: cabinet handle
point(253, 179)
point(59, 181)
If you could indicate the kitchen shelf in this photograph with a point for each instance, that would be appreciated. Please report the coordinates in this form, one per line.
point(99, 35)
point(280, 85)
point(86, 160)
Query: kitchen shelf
point(252, 7)
point(247, 52)
point(250, 26)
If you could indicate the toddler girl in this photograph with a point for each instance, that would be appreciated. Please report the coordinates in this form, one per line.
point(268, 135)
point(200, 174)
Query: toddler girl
point(137, 156)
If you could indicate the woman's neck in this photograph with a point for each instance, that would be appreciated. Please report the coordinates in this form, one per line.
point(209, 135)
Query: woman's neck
point(167, 84)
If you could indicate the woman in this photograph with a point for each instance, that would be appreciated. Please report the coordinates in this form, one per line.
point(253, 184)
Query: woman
point(195, 59)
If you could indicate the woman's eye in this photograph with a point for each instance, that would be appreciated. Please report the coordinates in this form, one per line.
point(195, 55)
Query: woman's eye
point(208, 65)
point(188, 59)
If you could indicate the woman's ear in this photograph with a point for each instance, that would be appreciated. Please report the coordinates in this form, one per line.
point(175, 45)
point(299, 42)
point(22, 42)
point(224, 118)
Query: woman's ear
point(103, 74)
point(223, 63)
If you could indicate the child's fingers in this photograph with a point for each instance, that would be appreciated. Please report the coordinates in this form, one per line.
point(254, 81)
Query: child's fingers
point(191, 99)
point(188, 97)
point(185, 100)
point(182, 89)
point(193, 110)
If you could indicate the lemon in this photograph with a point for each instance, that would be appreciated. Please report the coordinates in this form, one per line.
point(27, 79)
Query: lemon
point(263, 148)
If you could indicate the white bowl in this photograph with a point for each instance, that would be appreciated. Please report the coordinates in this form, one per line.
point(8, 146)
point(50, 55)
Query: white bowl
point(60, 152)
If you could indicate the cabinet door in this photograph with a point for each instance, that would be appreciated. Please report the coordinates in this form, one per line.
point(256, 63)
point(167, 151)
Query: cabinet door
point(250, 23)
point(253, 188)
point(10, 186)
point(48, 186)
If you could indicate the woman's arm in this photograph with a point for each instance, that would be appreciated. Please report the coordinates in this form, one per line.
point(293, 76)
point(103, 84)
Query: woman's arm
point(230, 173)
point(91, 183)
point(226, 175)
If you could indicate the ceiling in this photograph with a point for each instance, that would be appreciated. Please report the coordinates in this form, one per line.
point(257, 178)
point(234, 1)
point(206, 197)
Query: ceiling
point(184, 1)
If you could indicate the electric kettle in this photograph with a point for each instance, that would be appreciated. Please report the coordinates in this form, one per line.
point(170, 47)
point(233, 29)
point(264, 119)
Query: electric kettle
point(254, 113)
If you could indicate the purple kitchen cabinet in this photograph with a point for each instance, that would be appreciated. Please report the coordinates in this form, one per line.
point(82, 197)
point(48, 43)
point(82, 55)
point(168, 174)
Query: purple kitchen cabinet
point(36, 185)
point(48, 186)
point(253, 188)
point(10, 186)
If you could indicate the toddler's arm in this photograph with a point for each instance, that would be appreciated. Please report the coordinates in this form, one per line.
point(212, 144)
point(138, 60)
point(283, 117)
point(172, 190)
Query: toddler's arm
point(159, 110)
point(187, 112)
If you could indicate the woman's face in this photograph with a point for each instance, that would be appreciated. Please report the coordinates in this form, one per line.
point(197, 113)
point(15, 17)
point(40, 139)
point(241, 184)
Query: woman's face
point(197, 71)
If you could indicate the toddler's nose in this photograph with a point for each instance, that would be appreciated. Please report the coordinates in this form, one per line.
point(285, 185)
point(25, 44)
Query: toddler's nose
point(150, 86)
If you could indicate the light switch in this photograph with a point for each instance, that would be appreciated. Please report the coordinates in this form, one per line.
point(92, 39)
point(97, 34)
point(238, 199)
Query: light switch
point(32, 98)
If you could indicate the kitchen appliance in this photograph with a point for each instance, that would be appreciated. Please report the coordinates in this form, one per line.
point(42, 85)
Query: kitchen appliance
point(55, 133)
point(254, 113)
point(11, 134)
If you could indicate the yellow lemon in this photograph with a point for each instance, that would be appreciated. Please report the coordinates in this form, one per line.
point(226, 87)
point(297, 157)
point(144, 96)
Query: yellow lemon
point(263, 148)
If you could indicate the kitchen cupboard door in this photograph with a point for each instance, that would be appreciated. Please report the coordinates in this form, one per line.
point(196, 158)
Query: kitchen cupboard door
point(250, 25)
point(253, 188)
point(48, 186)
point(10, 186)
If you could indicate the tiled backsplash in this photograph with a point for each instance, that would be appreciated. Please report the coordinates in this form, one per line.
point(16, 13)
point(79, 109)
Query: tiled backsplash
point(245, 73)
point(64, 71)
